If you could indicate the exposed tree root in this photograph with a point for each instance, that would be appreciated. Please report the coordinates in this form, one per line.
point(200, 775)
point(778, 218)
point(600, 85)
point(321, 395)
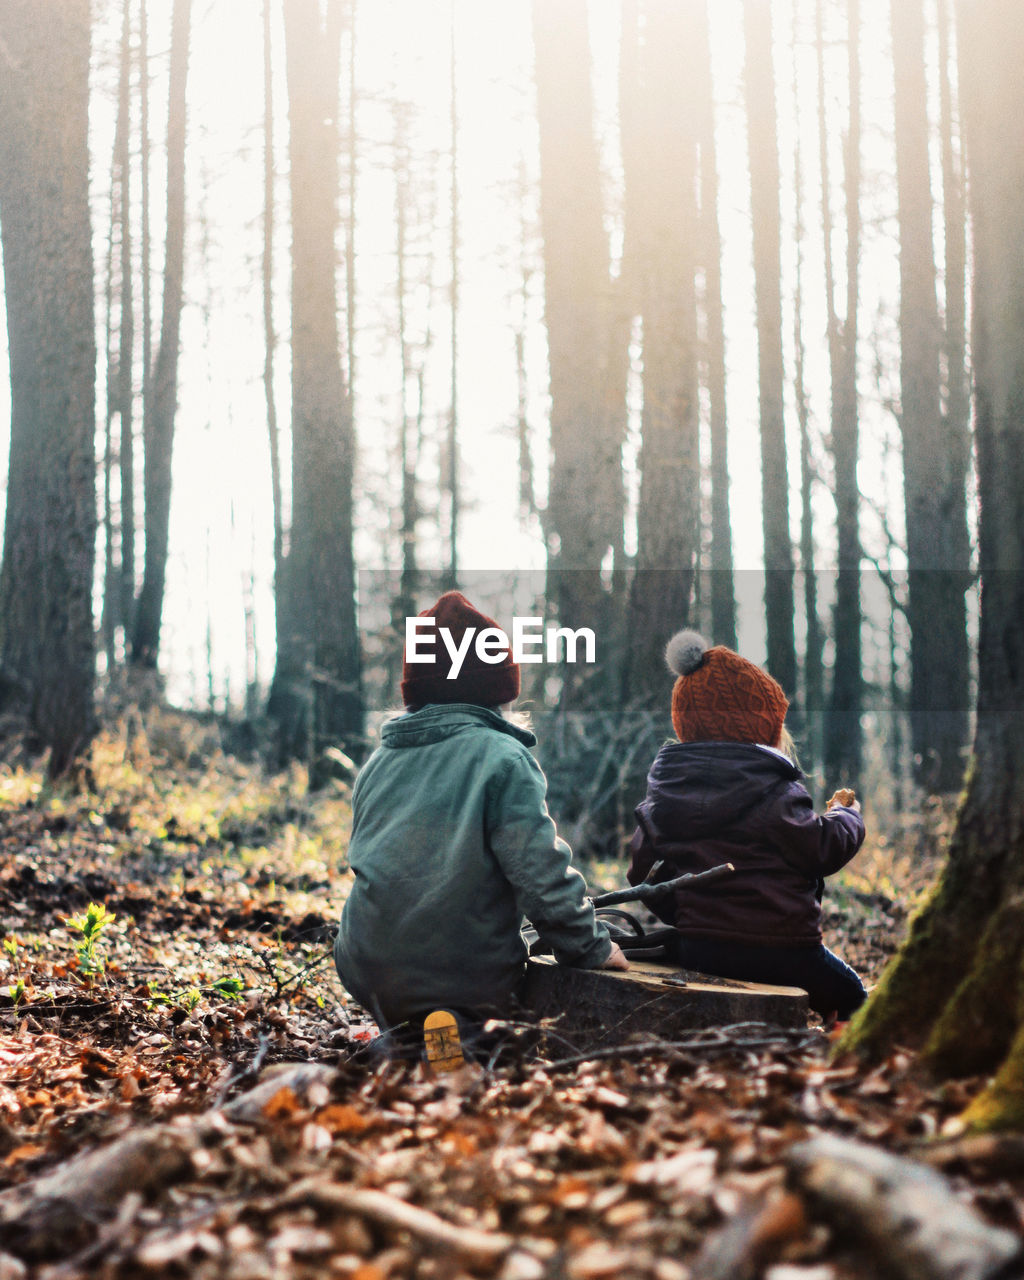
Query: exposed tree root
point(907, 1214)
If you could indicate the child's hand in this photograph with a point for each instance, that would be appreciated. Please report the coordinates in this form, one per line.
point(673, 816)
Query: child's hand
point(616, 958)
point(846, 797)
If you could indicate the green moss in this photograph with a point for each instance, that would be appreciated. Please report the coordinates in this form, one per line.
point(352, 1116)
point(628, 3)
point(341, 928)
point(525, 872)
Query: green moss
point(1000, 1107)
point(942, 941)
point(975, 1028)
point(917, 981)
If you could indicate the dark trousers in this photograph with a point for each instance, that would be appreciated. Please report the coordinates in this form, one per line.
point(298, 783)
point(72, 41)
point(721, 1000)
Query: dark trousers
point(831, 985)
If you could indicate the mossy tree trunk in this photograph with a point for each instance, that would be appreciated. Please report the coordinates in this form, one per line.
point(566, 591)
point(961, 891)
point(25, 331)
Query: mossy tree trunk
point(956, 990)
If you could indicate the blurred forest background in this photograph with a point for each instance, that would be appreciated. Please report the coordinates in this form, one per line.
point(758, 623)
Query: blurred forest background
point(629, 313)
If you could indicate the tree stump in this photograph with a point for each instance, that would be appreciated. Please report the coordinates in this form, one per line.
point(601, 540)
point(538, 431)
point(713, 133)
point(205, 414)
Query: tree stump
point(598, 1008)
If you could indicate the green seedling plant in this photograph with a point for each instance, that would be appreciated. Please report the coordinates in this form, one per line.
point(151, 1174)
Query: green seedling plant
point(88, 927)
point(228, 988)
point(16, 990)
point(188, 998)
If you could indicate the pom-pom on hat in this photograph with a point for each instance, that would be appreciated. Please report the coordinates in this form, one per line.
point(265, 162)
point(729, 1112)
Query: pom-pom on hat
point(720, 696)
point(479, 682)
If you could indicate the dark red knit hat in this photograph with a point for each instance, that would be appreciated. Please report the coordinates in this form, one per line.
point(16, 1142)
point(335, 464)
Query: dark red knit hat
point(720, 696)
point(483, 683)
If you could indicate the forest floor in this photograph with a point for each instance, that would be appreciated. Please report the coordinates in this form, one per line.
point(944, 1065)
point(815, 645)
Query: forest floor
point(161, 1035)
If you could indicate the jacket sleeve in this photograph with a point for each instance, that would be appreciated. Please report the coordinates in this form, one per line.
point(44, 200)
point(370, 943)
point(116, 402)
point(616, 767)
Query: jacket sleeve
point(537, 863)
point(816, 844)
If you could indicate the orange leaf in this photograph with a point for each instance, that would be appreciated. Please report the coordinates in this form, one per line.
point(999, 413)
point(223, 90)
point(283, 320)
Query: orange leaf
point(571, 1193)
point(283, 1103)
point(341, 1118)
point(24, 1152)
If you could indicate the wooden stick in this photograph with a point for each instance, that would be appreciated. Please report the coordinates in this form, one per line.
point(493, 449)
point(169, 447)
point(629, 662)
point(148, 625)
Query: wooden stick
point(647, 892)
point(468, 1242)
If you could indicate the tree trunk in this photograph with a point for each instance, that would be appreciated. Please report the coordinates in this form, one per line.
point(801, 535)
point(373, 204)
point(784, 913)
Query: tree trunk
point(452, 450)
point(317, 693)
point(119, 526)
point(584, 512)
point(722, 592)
point(814, 682)
point(933, 463)
point(405, 603)
point(269, 334)
point(158, 424)
point(764, 200)
point(843, 739)
point(668, 513)
point(46, 628)
point(954, 987)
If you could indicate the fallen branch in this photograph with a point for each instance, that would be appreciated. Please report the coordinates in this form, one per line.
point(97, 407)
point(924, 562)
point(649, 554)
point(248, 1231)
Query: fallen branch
point(59, 1212)
point(906, 1213)
point(299, 1077)
point(469, 1243)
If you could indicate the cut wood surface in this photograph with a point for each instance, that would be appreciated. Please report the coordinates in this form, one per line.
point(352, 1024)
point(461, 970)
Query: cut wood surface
point(905, 1212)
point(595, 1008)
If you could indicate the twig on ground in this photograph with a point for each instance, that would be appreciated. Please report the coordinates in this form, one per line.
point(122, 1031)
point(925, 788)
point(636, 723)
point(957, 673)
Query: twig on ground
point(470, 1243)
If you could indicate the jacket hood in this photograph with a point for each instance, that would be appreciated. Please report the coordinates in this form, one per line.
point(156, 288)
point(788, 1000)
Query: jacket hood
point(701, 788)
point(438, 721)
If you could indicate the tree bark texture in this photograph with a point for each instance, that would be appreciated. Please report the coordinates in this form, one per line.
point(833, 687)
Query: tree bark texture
point(933, 461)
point(722, 590)
point(158, 424)
point(46, 628)
point(843, 740)
point(814, 645)
point(584, 512)
point(317, 694)
point(269, 332)
point(954, 989)
point(764, 200)
point(665, 171)
point(119, 524)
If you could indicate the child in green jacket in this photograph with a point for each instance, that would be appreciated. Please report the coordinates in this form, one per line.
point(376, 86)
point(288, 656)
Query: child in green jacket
point(452, 846)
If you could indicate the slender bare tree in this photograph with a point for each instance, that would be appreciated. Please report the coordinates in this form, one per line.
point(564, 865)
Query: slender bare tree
point(47, 653)
point(665, 169)
point(934, 454)
point(316, 697)
point(843, 739)
point(764, 199)
point(162, 402)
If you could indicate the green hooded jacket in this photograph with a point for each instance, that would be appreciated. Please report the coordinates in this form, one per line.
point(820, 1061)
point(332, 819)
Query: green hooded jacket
point(452, 845)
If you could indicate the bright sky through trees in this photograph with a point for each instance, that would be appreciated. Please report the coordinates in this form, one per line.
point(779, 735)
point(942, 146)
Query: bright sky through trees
point(221, 526)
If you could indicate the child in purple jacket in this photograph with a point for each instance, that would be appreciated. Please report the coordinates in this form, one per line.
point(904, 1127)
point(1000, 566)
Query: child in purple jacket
point(725, 792)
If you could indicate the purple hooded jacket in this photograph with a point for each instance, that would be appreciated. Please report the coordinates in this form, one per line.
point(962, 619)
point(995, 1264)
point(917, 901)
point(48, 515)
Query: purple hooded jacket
point(714, 802)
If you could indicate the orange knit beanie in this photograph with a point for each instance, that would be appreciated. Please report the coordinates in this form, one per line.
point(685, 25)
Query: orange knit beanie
point(721, 697)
